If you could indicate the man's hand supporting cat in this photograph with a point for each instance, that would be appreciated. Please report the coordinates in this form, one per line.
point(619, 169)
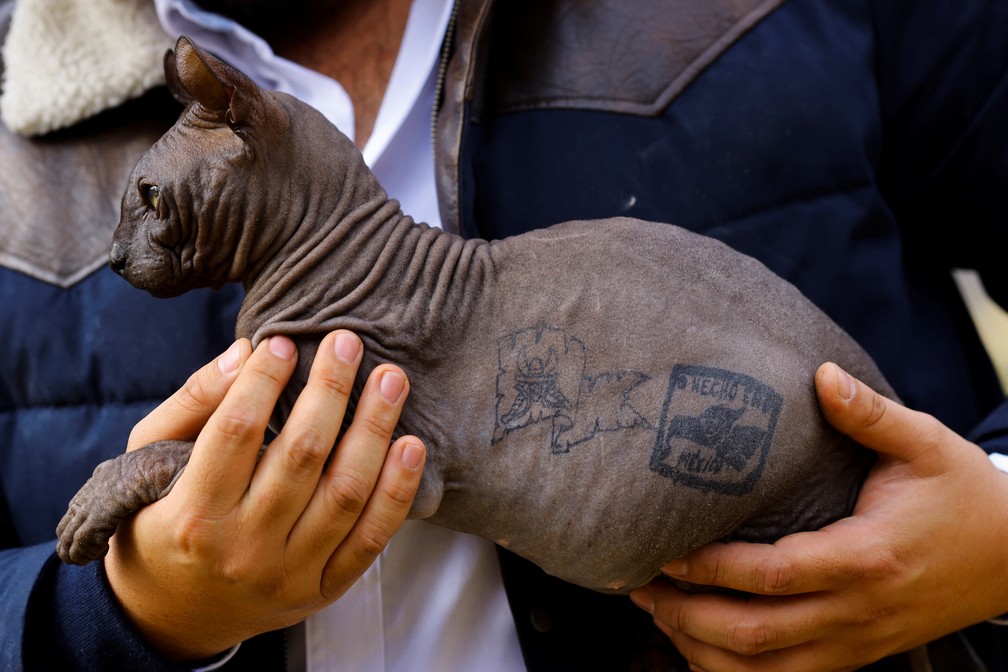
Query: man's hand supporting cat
point(243, 545)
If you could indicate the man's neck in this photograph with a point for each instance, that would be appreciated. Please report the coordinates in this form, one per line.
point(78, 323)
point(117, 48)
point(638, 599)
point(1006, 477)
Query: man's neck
point(356, 43)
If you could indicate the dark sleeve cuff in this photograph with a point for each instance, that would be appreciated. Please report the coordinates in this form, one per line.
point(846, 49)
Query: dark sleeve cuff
point(75, 623)
point(55, 616)
point(992, 433)
point(20, 571)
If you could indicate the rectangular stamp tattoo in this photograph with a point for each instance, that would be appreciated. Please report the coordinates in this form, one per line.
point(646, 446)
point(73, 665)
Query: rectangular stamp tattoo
point(715, 430)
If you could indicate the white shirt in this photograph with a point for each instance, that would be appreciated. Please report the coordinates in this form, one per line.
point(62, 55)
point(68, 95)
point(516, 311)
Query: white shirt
point(434, 599)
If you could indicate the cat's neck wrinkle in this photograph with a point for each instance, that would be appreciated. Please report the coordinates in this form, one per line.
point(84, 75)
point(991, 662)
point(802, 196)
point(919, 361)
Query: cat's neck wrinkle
point(370, 269)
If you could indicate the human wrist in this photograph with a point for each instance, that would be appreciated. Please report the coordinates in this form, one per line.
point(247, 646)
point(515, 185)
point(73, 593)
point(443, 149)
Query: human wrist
point(168, 623)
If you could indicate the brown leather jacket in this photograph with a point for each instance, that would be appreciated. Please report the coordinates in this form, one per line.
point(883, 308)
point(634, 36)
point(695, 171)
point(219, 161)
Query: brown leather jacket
point(840, 169)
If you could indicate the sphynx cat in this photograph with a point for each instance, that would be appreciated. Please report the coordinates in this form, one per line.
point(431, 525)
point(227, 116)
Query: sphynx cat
point(599, 397)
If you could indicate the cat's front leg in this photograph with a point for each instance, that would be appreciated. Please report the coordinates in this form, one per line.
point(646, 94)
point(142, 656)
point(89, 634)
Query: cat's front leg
point(118, 488)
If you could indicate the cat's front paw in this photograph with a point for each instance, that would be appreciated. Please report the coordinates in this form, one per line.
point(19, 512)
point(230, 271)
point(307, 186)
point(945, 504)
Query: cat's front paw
point(117, 489)
point(91, 518)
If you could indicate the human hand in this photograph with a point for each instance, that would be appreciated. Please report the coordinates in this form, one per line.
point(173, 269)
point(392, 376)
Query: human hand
point(243, 545)
point(922, 555)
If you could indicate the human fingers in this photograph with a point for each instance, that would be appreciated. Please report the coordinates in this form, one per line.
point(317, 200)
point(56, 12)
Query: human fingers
point(743, 625)
point(807, 657)
point(383, 514)
point(288, 473)
point(354, 468)
point(227, 449)
point(183, 414)
point(803, 562)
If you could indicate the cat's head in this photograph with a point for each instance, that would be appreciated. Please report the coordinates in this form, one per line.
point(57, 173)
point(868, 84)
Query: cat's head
point(197, 207)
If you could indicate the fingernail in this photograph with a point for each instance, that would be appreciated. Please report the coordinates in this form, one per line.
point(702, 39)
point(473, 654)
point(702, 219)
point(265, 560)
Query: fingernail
point(229, 361)
point(845, 384)
point(676, 568)
point(347, 346)
point(412, 456)
point(642, 599)
point(391, 386)
point(695, 668)
point(281, 347)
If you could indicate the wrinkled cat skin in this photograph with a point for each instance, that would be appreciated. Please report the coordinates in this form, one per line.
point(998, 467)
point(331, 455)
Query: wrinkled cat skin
point(599, 397)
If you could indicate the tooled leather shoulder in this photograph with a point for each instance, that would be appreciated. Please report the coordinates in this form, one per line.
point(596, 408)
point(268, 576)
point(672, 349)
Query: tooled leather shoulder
point(609, 55)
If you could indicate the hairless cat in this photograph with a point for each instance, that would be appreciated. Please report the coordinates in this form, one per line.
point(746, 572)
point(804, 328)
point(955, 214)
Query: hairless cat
point(599, 396)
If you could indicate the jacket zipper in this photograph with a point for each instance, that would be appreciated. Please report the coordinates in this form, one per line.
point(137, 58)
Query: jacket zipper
point(442, 72)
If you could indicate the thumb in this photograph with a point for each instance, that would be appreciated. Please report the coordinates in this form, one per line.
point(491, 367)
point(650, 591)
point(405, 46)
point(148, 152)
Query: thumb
point(874, 421)
point(184, 414)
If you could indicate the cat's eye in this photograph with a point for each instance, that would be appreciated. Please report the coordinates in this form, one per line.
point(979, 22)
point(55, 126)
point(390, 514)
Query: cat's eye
point(153, 195)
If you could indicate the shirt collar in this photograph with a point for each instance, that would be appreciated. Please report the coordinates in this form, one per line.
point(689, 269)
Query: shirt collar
point(417, 59)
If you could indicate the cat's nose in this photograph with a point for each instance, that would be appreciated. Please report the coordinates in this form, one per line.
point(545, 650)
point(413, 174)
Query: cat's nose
point(117, 258)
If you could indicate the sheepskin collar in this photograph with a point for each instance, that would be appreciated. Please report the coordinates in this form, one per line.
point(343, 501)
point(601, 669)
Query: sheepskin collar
point(67, 60)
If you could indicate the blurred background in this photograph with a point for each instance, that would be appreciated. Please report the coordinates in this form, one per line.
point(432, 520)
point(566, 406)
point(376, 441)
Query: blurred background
point(991, 320)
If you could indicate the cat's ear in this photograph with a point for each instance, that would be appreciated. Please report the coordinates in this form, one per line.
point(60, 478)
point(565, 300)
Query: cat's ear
point(196, 75)
point(174, 83)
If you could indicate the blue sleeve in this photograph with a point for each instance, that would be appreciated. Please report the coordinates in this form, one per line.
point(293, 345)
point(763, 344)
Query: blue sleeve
point(20, 570)
point(55, 616)
point(72, 621)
